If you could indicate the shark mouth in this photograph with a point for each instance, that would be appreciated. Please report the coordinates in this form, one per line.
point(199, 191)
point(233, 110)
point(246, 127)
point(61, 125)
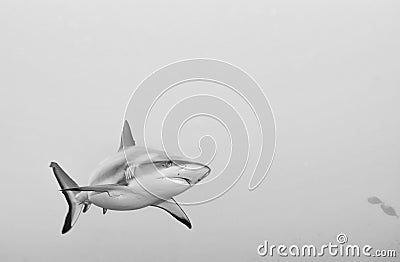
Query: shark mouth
point(180, 180)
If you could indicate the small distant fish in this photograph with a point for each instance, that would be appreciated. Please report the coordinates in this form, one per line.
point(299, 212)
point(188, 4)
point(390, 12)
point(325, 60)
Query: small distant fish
point(374, 200)
point(389, 210)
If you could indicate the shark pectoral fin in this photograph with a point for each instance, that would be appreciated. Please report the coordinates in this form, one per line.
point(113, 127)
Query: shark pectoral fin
point(126, 137)
point(113, 190)
point(175, 210)
point(104, 211)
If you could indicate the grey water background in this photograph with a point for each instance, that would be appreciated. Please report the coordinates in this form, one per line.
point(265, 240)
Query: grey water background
point(329, 69)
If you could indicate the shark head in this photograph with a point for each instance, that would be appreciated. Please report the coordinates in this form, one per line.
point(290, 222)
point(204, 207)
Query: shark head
point(169, 177)
point(182, 172)
point(159, 173)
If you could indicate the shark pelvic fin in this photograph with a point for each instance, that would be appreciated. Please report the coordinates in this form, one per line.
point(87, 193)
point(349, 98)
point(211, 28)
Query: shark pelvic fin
point(86, 207)
point(104, 211)
point(175, 210)
point(126, 137)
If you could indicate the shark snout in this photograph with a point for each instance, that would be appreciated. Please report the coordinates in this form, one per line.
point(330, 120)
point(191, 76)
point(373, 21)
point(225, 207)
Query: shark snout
point(195, 172)
point(207, 171)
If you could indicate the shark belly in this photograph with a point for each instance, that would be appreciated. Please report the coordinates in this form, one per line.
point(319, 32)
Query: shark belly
point(127, 198)
point(137, 194)
point(124, 201)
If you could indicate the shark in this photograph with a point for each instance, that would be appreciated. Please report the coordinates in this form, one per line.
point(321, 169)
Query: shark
point(134, 177)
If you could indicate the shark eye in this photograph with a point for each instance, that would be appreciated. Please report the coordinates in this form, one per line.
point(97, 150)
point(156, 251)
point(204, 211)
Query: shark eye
point(167, 164)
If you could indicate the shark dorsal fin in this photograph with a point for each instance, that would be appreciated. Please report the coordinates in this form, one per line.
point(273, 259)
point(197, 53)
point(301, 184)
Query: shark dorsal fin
point(126, 137)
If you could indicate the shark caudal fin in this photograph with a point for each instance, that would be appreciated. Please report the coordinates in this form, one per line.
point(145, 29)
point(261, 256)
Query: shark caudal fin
point(74, 206)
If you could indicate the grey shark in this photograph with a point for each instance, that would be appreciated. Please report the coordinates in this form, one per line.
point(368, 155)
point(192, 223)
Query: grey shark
point(135, 177)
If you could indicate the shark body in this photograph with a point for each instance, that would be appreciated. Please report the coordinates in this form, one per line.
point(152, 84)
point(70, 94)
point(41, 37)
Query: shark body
point(135, 177)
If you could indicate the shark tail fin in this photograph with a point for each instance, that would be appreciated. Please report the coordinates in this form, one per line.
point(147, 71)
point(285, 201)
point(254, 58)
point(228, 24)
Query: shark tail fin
point(74, 206)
